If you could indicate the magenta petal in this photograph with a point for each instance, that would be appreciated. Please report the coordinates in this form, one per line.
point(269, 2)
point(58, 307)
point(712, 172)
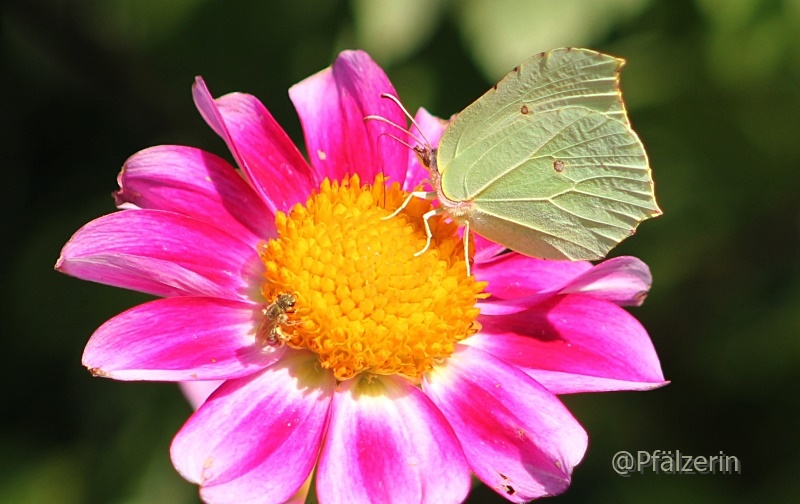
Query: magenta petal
point(518, 437)
point(256, 439)
point(388, 443)
point(622, 280)
point(432, 129)
point(574, 335)
point(167, 340)
point(568, 383)
point(514, 275)
point(332, 105)
point(262, 149)
point(495, 307)
point(197, 184)
point(161, 253)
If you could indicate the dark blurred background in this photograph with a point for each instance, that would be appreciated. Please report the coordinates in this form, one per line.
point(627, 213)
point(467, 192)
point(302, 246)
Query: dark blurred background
point(713, 89)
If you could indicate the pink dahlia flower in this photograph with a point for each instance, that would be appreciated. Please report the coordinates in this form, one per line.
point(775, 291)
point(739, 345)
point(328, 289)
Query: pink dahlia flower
point(390, 377)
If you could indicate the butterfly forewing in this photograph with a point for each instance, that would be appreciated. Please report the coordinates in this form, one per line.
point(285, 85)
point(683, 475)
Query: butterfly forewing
point(552, 80)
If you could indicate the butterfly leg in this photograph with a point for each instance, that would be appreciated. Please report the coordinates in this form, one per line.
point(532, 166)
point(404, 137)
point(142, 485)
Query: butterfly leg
point(425, 218)
point(428, 195)
point(466, 247)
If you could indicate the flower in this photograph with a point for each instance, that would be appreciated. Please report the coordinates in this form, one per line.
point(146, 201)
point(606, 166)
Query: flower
point(393, 377)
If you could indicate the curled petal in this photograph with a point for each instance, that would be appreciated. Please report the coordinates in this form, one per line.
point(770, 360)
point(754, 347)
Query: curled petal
point(161, 253)
point(256, 438)
point(514, 275)
point(496, 307)
point(166, 340)
point(622, 280)
point(388, 443)
point(600, 343)
point(262, 149)
point(518, 437)
point(332, 105)
point(560, 382)
point(197, 184)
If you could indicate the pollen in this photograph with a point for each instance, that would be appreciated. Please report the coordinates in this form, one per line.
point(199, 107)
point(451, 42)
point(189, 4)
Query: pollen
point(364, 303)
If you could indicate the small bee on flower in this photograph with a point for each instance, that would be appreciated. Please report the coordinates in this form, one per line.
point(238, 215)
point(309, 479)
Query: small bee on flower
point(269, 331)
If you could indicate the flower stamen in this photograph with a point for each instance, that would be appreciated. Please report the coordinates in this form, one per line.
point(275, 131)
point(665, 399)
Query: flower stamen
point(364, 302)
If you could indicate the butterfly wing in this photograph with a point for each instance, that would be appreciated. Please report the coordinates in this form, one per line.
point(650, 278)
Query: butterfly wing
point(569, 184)
point(548, 160)
point(549, 80)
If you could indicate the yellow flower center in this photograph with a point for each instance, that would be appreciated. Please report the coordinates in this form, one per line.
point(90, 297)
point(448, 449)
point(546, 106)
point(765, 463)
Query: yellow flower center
point(362, 301)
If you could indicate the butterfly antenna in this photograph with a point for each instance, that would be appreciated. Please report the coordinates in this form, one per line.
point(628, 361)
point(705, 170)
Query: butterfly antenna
point(421, 141)
point(396, 101)
point(398, 139)
point(393, 137)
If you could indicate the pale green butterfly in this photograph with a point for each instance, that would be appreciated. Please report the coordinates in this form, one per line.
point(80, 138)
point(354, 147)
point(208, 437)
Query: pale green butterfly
point(544, 163)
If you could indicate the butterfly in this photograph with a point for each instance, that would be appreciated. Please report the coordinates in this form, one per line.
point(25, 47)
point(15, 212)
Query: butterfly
point(545, 163)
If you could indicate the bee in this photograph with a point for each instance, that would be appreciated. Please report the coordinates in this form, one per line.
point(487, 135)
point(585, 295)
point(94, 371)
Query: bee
point(269, 331)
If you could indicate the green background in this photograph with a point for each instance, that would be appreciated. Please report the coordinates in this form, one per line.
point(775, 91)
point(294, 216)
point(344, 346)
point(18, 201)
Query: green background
point(713, 89)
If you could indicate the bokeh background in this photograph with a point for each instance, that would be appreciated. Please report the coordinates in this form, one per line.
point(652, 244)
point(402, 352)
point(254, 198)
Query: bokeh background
point(713, 89)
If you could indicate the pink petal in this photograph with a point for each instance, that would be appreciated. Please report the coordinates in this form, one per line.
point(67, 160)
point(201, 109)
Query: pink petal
point(518, 437)
point(262, 149)
point(162, 253)
point(514, 275)
point(256, 439)
point(560, 382)
point(496, 307)
point(332, 105)
point(197, 392)
point(388, 443)
point(432, 130)
point(197, 184)
point(574, 335)
point(622, 280)
point(181, 338)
